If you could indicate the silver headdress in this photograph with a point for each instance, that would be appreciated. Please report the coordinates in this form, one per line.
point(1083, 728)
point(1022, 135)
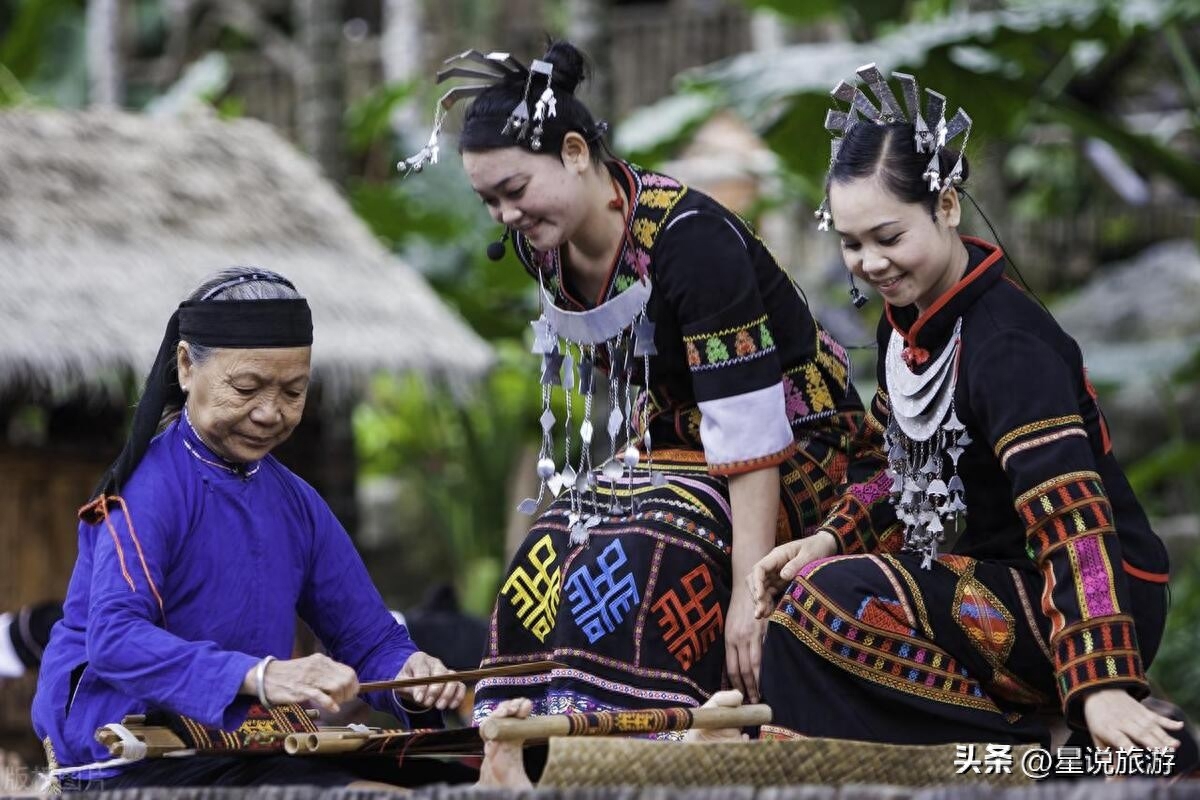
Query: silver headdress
point(931, 135)
point(490, 68)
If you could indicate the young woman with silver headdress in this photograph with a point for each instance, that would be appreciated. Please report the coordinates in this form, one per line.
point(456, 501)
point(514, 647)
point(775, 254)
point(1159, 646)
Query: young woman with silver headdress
point(1052, 595)
point(728, 412)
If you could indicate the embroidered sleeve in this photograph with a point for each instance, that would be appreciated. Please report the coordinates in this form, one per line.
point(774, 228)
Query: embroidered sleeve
point(1036, 431)
point(704, 267)
point(863, 520)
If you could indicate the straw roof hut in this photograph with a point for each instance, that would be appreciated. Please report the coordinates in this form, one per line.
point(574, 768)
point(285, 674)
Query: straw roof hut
point(107, 221)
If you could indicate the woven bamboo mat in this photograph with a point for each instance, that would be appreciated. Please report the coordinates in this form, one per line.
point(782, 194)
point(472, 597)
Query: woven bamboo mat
point(577, 762)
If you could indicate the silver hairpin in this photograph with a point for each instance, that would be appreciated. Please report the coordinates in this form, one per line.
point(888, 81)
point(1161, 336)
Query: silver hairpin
point(546, 105)
point(493, 67)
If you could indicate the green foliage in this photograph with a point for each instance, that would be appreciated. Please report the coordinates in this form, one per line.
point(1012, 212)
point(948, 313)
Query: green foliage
point(1174, 464)
point(810, 11)
point(368, 120)
point(863, 18)
point(1052, 176)
point(1168, 461)
point(24, 46)
point(231, 107)
point(1176, 668)
point(1020, 65)
point(435, 221)
point(41, 53)
point(456, 456)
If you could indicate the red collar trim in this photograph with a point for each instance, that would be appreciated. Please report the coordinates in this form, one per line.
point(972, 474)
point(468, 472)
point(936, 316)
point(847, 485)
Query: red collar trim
point(910, 337)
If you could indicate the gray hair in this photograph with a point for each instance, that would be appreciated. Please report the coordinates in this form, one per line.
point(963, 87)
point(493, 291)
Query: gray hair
point(231, 283)
point(239, 283)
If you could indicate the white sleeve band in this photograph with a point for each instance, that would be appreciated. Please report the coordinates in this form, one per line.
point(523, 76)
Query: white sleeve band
point(745, 427)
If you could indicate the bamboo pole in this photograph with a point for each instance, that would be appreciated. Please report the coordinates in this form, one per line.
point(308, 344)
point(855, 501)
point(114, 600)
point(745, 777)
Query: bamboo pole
point(158, 741)
point(324, 743)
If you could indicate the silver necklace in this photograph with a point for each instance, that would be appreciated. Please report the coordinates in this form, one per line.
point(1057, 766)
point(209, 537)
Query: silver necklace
point(567, 342)
point(923, 430)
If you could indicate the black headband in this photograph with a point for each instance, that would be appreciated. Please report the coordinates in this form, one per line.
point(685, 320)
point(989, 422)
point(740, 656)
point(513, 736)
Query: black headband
point(225, 323)
point(246, 323)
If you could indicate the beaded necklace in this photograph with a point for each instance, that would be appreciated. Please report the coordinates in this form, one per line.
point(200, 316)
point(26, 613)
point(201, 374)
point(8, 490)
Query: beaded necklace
point(239, 469)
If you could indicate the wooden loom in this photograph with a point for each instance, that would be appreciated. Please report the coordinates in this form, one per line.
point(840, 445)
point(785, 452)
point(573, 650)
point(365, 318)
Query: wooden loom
point(290, 730)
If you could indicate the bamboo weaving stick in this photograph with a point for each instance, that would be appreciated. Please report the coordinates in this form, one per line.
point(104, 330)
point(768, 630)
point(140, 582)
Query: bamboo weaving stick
point(528, 668)
point(609, 723)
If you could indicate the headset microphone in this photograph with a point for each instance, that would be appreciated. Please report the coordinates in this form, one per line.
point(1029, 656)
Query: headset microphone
point(495, 250)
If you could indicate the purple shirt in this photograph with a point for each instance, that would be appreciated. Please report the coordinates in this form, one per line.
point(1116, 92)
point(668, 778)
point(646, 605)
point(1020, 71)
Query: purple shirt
point(235, 555)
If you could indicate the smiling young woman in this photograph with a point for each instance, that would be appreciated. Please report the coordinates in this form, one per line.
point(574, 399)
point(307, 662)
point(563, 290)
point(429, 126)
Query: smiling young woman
point(1052, 591)
point(729, 414)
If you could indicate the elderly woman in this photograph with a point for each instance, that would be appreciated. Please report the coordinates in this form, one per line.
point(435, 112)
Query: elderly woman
point(198, 551)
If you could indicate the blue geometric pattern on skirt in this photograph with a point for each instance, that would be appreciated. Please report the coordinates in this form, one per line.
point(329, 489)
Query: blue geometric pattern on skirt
point(599, 602)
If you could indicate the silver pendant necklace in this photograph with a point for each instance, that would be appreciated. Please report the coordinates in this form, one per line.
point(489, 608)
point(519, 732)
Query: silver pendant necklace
point(922, 432)
point(567, 341)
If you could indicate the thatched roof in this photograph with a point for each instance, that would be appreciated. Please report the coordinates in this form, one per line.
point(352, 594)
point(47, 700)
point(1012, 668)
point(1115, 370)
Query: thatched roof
point(108, 220)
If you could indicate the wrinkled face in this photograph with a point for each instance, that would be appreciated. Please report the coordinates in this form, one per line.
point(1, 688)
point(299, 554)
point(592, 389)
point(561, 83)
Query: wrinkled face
point(895, 246)
point(538, 195)
point(244, 402)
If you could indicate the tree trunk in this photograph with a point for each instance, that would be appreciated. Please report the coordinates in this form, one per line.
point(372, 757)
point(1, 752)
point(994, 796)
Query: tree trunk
point(588, 29)
point(403, 58)
point(320, 98)
point(103, 23)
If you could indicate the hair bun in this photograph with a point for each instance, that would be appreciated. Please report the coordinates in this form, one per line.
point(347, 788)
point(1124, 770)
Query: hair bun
point(570, 67)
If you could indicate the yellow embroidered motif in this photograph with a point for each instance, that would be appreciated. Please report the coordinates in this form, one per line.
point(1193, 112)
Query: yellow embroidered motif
point(658, 198)
point(695, 337)
point(1046, 487)
point(832, 364)
point(1034, 427)
point(818, 393)
point(836, 369)
point(535, 596)
point(645, 231)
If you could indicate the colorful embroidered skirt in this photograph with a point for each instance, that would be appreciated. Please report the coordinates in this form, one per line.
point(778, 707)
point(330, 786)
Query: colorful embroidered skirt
point(872, 647)
point(637, 614)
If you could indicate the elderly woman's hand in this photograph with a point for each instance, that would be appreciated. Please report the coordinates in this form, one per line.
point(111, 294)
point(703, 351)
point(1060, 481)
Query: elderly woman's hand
point(316, 679)
point(438, 695)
